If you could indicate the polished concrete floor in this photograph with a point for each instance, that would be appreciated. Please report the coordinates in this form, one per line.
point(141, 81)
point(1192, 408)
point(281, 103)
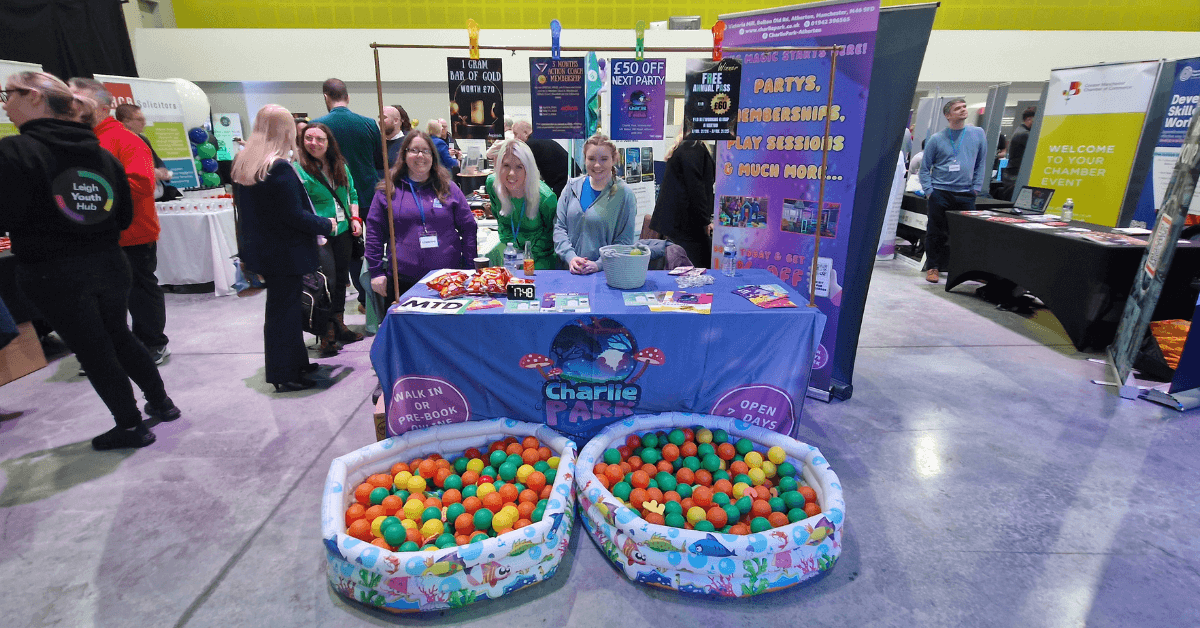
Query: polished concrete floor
point(987, 482)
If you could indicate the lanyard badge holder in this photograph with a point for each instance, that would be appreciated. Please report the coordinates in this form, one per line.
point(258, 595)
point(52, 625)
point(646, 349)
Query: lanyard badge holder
point(427, 240)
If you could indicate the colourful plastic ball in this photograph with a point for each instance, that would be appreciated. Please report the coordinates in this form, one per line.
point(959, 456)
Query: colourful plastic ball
point(666, 481)
point(611, 456)
point(684, 491)
point(711, 463)
point(740, 487)
point(483, 519)
point(394, 535)
point(675, 520)
point(475, 464)
point(469, 491)
point(720, 475)
point(453, 481)
point(692, 463)
point(777, 455)
point(732, 512)
point(445, 540)
point(524, 471)
point(705, 449)
point(744, 446)
point(742, 478)
point(550, 474)
point(453, 511)
point(720, 436)
point(793, 499)
point(721, 499)
point(760, 524)
point(413, 508)
point(621, 490)
point(651, 456)
point(409, 546)
point(650, 441)
point(743, 504)
point(786, 469)
point(777, 504)
point(704, 526)
point(552, 462)
point(416, 484)
point(769, 468)
point(508, 471)
point(497, 458)
point(433, 527)
point(430, 514)
point(378, 494)
point(460, 465)
point(377, 526)
point(704, 435)
point(757, 477)
point(677, 437)
point(694, 514)
point(537, 515)
point(541, 465)
point(673, 508)
point(483, 490)
point(787, 483)
point(796, 514)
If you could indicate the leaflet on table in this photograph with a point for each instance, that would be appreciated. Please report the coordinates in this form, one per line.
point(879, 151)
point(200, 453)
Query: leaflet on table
point(570, 302)
point(484, 304)
point(1035, 225)
point(1111, 238)
point(639, 298)
point(431, 305)
point(695, 303)
point(766, 295)
point(514, 306)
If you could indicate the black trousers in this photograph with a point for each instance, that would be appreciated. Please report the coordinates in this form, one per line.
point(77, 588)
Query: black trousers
point(338, 276)
point(147, 306)
point(937, 233)
point(283, 330)
point(84, 299)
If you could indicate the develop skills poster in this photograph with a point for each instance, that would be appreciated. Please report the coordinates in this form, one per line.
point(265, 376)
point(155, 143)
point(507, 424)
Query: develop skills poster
point(639, 98)
point(768, 179)
point(1185, 98)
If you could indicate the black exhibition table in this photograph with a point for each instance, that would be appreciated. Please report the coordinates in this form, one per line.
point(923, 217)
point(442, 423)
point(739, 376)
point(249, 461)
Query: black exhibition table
point(1083, 283)
point(912, 226)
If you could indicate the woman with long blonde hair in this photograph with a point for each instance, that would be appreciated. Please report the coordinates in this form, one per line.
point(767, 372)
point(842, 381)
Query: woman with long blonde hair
point(279, 232)
point(523, 204)
point(66, 201)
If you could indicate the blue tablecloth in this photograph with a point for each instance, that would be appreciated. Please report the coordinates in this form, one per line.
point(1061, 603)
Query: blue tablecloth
point(580, 372)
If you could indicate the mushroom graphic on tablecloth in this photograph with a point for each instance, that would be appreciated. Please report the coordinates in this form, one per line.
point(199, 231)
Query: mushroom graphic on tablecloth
point(537, 361)
point(648, 356)
point(554, 373)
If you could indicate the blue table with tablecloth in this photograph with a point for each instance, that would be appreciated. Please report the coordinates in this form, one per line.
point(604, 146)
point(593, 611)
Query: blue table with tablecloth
point(578, 372)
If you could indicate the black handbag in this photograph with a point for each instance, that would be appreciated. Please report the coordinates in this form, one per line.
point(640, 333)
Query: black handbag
point(315, 303)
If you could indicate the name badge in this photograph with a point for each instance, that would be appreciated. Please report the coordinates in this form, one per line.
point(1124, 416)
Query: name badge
point(953, 167)
point(429, 241)
point(437, 204)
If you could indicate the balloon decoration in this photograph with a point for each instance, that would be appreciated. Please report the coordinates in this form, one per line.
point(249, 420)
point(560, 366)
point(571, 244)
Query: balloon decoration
point(208, 165)
point(193, 102)
point(198, 135)
point(210, 179)
point(206, 151)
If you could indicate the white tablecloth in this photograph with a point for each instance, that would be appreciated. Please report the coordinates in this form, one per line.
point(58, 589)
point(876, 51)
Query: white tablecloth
point(196, 247)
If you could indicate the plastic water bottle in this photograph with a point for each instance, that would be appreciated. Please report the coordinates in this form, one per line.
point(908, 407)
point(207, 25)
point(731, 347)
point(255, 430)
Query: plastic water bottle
point(510, 258)
point(1068, 210)
point(728, 264)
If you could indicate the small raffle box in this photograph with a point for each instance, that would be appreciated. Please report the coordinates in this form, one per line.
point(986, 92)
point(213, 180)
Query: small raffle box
point(713, 564)
point(402, 582)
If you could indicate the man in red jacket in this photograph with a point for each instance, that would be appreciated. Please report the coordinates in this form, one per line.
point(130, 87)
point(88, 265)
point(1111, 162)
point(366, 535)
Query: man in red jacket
point(147, 306)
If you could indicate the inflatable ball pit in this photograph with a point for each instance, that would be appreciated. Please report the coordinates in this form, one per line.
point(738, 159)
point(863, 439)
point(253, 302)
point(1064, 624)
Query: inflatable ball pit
point(712, 564)
point(403, 582)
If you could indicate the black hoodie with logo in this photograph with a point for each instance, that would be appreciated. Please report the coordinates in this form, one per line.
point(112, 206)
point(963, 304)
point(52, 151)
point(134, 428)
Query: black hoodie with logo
point(61, 194)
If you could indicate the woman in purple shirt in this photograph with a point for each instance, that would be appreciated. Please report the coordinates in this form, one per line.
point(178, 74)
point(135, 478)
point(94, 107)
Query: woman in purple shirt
point(434, 226)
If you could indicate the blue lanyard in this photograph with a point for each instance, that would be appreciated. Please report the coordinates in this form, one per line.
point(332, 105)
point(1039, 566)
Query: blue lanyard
point(515, 225)
point(954, 143)
point(420, 207)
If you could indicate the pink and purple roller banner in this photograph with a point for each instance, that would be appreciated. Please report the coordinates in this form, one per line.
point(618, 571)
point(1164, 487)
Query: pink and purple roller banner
point(768, 180)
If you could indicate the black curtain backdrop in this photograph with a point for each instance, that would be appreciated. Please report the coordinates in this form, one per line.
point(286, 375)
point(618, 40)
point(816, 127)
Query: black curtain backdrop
point(67, 37)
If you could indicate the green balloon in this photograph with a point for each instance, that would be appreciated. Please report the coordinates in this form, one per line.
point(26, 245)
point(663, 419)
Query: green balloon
point(206, 151)
point(210, 179)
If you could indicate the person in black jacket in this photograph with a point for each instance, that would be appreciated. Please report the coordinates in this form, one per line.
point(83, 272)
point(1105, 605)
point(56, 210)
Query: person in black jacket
point(278, 240)
point(550, 156)
point(66, 200)
point(683, 213)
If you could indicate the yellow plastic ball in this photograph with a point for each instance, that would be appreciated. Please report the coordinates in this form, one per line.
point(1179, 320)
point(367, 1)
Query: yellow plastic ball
point(754, 460)
point(375, 525)
point(523, 472)
point(696, 514)
point(401, 480)
point(503, 520)
point(408, 524)
point(475, 464)
point(416, 484)
point(704, 435)
point(433, 527)
point(777, 455)
point(430, 548)
point(768, 468)
point(757, 476)
point(553, 462)
point(739, 489)
point(511, 510)
point(485, 489)
point(413, 509)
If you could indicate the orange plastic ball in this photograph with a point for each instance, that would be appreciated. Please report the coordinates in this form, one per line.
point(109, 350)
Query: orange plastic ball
point(717, 516)
point(530, 442)
point(362, 493)
point(354, 513)
point(471, 504)
point(391, 504)
point(451, 496)
point(637, 497)
point(639, 479)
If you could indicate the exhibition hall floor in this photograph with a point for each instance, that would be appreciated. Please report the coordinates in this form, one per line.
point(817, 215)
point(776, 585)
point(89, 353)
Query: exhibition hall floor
point(987, 483)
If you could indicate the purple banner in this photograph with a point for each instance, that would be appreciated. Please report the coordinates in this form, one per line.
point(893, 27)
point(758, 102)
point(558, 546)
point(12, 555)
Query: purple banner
point(639, 98)
point(556, 96)
point(768, 179)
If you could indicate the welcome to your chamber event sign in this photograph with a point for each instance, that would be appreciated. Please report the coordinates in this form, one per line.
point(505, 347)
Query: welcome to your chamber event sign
point(1090, 132)
point(164, 122)
point(768, 179)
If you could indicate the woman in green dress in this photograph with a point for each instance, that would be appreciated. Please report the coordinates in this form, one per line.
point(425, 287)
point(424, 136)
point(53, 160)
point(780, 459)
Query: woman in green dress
point(523, 204)
point(327, 179)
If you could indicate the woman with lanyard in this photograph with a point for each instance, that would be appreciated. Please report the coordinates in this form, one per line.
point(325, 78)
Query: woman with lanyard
point(595, 210)
point(66, 202)
point(326, 177)
point(521, 220)
point(434, 226)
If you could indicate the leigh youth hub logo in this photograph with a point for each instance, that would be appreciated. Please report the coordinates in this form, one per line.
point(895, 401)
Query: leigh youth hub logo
point(591, 374)
point(1074, 89)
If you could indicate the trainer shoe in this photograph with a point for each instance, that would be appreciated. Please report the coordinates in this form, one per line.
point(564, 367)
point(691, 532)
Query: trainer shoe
point(121, 438)
point(931, 275)
point(160, 354)
point(165, 410)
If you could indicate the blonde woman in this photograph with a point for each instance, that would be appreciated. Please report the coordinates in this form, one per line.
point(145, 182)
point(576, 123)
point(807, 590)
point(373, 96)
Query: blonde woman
point(69, 260)
point(278, 240)
point(596, 209)
point(524, 205)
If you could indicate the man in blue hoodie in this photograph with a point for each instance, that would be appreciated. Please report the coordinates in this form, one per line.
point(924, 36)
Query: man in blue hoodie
point(952, 175)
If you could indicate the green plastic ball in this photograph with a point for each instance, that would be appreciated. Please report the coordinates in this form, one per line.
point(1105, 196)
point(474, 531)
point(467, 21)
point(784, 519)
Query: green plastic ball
point(409, 546)
point(460, 465)
point(743, 504)
point(744, 446)
point(720, 499)
point(649, 441)
point(777, 504)
point(675, 520)
point(673, 508)
point(621, 490)
point(431, 513)
point(378, 494)
point(403, 495)
point(796, 514)
point(394, 535)
point(760, 524)
point(453, 481)
point(720, 474)
point(483, 519)
point(445, 540)
point(611, 456)
point(666, 481)
point(720, 436)
point(677, 437)
point(677, 464)
point(489, 471)
point(650, 456)
point(684, 490)
point(793, 499)
point(653, 483)
point(742, 478)
point(711, 463)
point(537, 515)
point(705, 526)
point(550, 475)
point(786, 470)
point(469, 490)
point(453, 511)
point(705, 449)
point(692, 463)
point(514, 459)
point(542, 465)
point(508, 472)
point(497, 458)
point(788, 483)
point(732, 513)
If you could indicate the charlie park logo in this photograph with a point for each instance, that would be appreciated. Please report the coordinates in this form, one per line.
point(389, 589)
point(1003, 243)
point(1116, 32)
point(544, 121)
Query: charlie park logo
point(591, 373)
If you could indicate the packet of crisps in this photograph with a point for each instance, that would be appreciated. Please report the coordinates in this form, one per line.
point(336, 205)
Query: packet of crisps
point(441, 282)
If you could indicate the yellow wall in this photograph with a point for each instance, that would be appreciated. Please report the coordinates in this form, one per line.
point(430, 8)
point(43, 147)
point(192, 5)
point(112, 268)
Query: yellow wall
point(1083, 15)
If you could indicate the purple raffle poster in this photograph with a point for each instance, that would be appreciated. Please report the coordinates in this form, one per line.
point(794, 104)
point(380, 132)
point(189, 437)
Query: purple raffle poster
point(556, 97)
point(768, 179)
point(639, 98)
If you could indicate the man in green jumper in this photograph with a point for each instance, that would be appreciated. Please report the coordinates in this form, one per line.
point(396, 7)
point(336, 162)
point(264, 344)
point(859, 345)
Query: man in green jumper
point(358, 139)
